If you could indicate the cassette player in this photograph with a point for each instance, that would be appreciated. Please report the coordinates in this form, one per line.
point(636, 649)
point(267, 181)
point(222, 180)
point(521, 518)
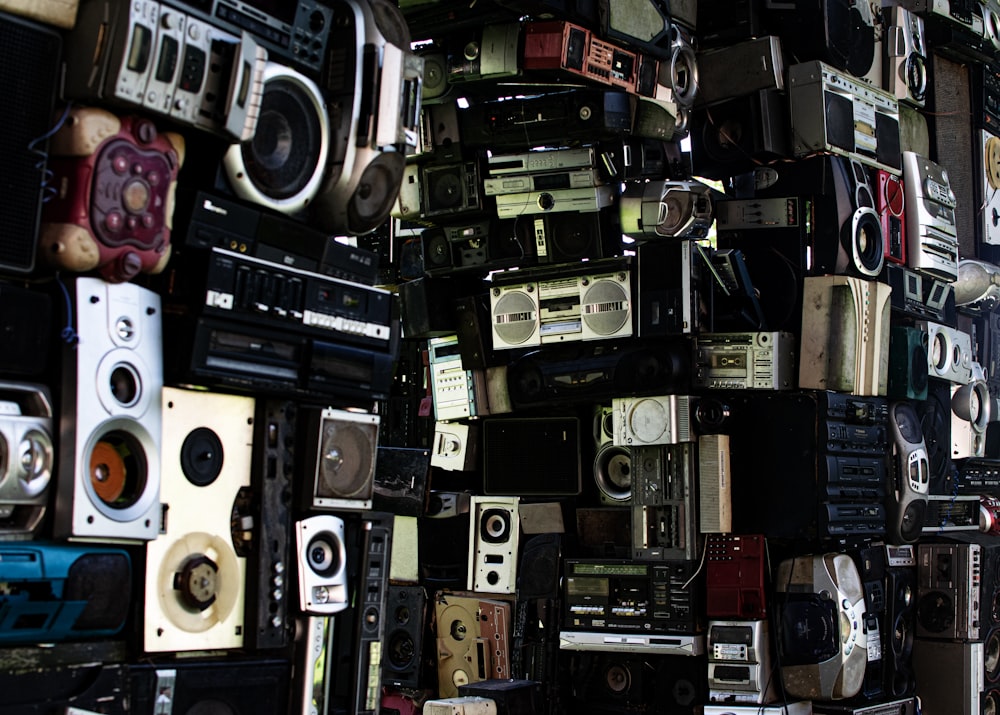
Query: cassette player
point(948, 590)
point(853, 423)
point(739, 662)
point(619, 596)
point(250, 289)
point(745, 361)
point(919, 296)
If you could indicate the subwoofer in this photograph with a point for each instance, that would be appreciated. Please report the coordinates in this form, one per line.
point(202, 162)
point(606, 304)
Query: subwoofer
point(281, 166)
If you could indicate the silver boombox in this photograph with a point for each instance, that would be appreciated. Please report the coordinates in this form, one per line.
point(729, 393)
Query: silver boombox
point(26, 441)
point(745, 361)
point(170, 63)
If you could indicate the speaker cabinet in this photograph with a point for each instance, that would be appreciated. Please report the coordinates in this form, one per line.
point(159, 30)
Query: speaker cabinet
point(30, 55)
point(494, 533)
point(235, 687)
point(109, 467)
point(405, 610)
point(339, 458)
point(322, 564)
point(512, 468)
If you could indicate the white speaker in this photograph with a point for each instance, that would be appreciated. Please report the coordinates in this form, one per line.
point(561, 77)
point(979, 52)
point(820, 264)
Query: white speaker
point(322, 564)
point(196, 569)
point(282, 165)
point(340, 450)
point(494, 531)
point(109, 466)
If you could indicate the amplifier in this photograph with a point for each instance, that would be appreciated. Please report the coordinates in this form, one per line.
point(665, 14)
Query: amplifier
point(614, 596)
point(745, 361)
point(834, 112)
point(592, 301)
point(979, 476)
point(948, 591)
point(951, 513)
point(248, 289)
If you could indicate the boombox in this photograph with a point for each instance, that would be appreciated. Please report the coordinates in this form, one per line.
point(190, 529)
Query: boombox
point(745, 361)
point(489, 52)
point(592, 301)
point(844, 342)
point(590, 372)
point(104, 216)
point(665, 503)
point(837, 113)
point(472, 640)
point(971, 412)
point(264, 171)
point(169, 63)
point(610, 601)
point(372, 84)
point(931, 237)
point(842, 34)
point(949, 591)
point(297, 32)
point(28, 463)
point(614, 683)
point(674, 209)
point(561, 48)
point(58, 592)
point(911, 475)
point(905, 66)
point(641, 421)
point(820, 610)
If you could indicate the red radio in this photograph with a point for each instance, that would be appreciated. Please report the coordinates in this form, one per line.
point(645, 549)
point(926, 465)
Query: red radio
point(735, 576)
point(565, 47)
point(115, 179)
point(890, 205)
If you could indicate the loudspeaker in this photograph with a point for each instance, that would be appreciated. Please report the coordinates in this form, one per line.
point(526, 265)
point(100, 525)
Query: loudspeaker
point(110, 426)
point(907, 363)
point(900, 620)
point(234, 687)
point(282, 166)
point(322, 564)
point(196, 568)
point(27, 457)
point(339, 458)
point(935, 422)
point(612, 463)
point(569, 236)
point(30, 56)
point(623, 682)
point(494, 533)
point(510, 468)
point(838, 32)
point(404, 636)
point(538, 574)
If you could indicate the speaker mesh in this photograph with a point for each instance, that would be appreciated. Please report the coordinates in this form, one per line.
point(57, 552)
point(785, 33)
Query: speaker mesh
point(513, 317)
point(30, 56)
point(102, 580)
point(605, 307)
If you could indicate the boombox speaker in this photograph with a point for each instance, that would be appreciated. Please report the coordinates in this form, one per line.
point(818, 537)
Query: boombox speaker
point(30, 56)
point(109, 467)
point(282, 166)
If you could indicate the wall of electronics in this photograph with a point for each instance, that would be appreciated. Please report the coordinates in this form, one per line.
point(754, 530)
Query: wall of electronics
point(518, 357)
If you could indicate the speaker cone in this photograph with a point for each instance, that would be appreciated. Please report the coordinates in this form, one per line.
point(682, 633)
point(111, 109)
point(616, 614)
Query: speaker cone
point(613, 472)
point(202, 456)
point(936, 611)
point(378, 186)
point(346, 461)
point(325, 554)
point(282, 166)
point(118, 469)
point(495, 526)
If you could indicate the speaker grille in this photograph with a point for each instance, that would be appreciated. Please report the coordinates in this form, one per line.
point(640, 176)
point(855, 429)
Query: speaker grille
point(346, 463)
point(605, 307)
point(514, 317)
point(30, 59)
point(102, 580)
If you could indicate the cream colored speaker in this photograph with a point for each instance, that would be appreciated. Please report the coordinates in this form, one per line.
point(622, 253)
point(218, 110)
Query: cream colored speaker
point(196, 568)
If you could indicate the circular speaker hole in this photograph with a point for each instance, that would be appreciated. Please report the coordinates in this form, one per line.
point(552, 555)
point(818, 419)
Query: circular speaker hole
point(125, 384)
point(118, 469)
point(323, 555)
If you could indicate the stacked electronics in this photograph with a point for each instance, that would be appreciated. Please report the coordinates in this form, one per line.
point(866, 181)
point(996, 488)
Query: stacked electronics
point(527, 356)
